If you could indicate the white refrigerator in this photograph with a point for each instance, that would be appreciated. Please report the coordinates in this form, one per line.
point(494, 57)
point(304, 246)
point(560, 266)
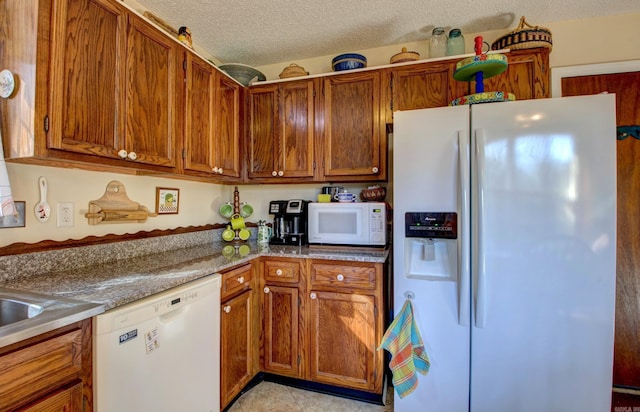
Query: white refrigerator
point(515, 302)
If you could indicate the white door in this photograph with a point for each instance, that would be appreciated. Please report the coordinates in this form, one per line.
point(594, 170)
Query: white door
point(427, 178)
point(542, 330)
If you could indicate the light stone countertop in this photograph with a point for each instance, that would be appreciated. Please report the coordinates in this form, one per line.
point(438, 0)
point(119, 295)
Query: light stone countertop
point(118, 282)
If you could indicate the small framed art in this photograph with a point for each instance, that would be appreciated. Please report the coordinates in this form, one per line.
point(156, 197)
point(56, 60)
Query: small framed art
point(167, 200)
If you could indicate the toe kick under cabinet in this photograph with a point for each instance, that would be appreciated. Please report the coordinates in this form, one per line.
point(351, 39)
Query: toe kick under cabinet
point(322, 321)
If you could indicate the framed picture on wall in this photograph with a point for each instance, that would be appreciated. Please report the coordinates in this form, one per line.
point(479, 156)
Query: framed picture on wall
point(167, 200)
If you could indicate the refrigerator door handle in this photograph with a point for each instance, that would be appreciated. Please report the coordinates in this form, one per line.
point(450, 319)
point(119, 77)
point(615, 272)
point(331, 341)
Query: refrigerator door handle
point(479, 262)
point(464, 281)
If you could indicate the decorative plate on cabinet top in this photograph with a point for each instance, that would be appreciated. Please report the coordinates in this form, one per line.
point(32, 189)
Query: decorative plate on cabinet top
point(243, 73)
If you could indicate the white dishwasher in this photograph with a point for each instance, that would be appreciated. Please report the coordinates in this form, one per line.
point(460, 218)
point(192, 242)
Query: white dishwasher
point(161, 353)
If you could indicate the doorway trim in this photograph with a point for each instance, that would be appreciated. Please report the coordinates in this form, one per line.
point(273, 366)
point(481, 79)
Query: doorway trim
point(558, 73)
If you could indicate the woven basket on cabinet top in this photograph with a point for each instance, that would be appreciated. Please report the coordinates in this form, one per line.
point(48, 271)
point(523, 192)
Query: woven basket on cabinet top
point(376, 194)
point(525, 36)
point(293, 70)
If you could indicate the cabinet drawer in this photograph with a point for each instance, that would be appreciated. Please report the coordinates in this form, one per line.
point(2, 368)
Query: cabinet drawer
point(41, 367)
point(236, 280)
point(357, 275)
point(281, 271)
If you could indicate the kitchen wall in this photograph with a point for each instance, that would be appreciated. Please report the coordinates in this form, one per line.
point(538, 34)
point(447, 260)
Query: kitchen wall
point(587, 41)
point(575, 42)
point(199, 202)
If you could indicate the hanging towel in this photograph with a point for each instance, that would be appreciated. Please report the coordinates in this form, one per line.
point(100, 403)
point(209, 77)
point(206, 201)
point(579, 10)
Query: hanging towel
point(7, 207)
point(402, 340)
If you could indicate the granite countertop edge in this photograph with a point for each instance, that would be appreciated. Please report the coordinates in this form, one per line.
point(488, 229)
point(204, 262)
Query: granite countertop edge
point(116, 283)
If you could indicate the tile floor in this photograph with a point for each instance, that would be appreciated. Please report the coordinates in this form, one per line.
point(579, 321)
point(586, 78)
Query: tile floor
point(273, 397)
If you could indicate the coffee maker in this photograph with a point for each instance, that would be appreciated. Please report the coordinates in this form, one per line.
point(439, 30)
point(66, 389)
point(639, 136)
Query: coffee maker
point(289, 222)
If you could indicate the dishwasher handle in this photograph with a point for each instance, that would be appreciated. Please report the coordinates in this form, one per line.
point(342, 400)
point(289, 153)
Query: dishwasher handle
point(176, 313)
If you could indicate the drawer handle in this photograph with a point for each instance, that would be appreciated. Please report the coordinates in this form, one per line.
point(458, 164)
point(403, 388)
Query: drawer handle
point(313, 295)
point(340, 277)
point(227, 309)
point(240, 279)
point(279, 272)
point(266, 289)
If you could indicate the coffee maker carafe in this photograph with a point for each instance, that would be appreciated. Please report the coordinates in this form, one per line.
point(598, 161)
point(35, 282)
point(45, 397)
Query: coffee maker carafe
point(289, 222)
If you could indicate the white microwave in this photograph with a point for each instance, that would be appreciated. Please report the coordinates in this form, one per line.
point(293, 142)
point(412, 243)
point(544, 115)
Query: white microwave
point(348, 223)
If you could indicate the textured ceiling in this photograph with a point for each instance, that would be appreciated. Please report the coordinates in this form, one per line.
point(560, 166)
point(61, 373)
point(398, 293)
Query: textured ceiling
point(265, 32)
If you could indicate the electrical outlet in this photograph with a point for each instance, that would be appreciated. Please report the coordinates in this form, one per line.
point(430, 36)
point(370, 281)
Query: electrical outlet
point(65, 214)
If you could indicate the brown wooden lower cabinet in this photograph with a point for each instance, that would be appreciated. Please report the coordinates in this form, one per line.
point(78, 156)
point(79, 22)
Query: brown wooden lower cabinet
point(236, 358)
point(280, 347)
point(64, 400)
point(342, 339)
point(320, 321)
point(50, 372)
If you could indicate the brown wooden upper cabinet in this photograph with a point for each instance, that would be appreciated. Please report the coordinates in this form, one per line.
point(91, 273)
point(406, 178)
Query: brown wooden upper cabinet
point(212, 122)
point(353, 136)
point(431, 84)
point(104, 83)
point(420, 86)
point(281, 132)
point(153, 89)
point(527, 75)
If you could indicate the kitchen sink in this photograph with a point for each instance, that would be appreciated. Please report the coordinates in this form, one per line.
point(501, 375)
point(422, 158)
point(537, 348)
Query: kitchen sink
point(24, 314)
point(15, 310)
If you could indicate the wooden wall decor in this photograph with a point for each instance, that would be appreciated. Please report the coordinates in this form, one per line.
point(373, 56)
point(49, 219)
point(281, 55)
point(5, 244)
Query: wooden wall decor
point(115, 206)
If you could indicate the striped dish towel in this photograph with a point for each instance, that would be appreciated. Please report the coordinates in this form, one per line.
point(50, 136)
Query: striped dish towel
point(402, 340)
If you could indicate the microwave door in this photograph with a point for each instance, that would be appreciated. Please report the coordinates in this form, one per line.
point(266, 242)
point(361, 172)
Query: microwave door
point(341, 225)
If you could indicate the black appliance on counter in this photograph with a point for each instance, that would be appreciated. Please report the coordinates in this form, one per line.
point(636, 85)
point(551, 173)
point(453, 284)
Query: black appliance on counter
point(289, 222)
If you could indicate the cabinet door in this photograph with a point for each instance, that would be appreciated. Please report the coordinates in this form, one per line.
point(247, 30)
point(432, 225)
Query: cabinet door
point(421, 86)
point(280, 311)
point(151, 94)
point(281, 131)
point(342, 340)
point(227, 127)
point(263, 118)
point(199, 115)
point(296, 134)
point(527, 75)
point(64, 400)
point(88, 40)
point(236, 339)
point(354, 138)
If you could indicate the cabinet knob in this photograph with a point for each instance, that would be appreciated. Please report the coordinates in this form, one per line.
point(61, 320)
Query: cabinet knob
point(215, 169)
point(313, 295)
point(240, 279)
point(132, 156)
point(374, 169)
point(279, 272)
point(340, 277)
point(266, 289)
point(220, 170)
point(274, 173)
point(122, 153)
point(227, 309)
point(281, 173)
